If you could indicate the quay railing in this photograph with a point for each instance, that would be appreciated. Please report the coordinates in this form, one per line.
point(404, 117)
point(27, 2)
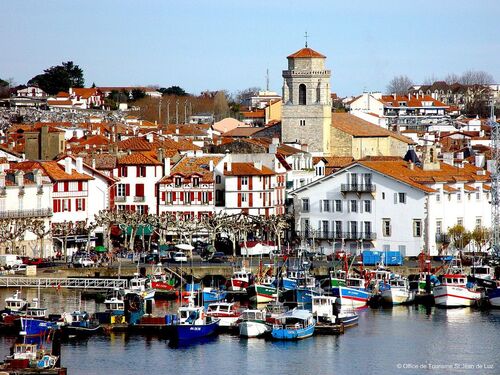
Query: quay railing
point(71, 283)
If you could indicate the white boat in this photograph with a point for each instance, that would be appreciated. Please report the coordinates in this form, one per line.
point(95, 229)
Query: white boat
point(227, 312)
point(397, 291)
point(16, 303)
point(252, 323)
point(139, 285)
point(328, 309)
point(454, 291)
point(241, 279)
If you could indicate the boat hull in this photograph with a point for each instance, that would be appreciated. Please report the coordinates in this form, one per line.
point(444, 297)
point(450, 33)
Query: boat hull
point(304, 295)
point(398, 296)
point(214, 296)
point(288, 333)
point(254, 329)
point(162, 286)
point(192, 332)
point(32, 327)
point(455, 296)
point(80, 331)
point(238, 285)
point(351, 297)
point(494, 297)
point(258, 293)
point(349, 320)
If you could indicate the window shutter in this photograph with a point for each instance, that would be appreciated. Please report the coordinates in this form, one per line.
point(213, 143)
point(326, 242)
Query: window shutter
point(210, 196)
point(146, 209)
point(54, 205)
point(181, 197)
point(69, 204)
point(163, 196)
point(83, 204)
point(127, 190)
point(80, 186)
point(119, 171)
point(137, 171)
point(66, 186)
point(348, 206)
point(250, 179)
point(56, 187)
point(239, 182)
point(125, 171)
point(250, 199)
point(199, 196)
point(239, 199)
point(192, 196)
point(174, 196)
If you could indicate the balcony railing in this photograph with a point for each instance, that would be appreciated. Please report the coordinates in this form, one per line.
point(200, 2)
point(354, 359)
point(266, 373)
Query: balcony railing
point(15, 214)
point(139, 199)
point(322, 235)
point(442, 238)
point(357, 188)
point(120, 198)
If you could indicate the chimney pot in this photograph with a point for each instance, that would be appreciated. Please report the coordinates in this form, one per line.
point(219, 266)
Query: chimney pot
point(67, 165)
point(79, 165)
point(166, 166)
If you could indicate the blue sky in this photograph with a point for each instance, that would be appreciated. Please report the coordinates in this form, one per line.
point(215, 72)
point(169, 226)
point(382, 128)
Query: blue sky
point(228, 44)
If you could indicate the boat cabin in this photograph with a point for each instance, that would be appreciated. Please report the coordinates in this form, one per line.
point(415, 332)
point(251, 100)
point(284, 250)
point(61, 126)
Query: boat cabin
point(454, 280)
point(398, 283)
point(138, 284)
point(191, 315)
point(354, 282)
point(295, 319)
point(114, 304)
point(483, 272)
point(15, 303)
point(253, 315)
point(25, 351)
point(222, 309)
point(323, 305)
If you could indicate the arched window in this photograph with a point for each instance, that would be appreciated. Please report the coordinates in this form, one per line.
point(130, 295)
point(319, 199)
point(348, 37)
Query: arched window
point(302, 94)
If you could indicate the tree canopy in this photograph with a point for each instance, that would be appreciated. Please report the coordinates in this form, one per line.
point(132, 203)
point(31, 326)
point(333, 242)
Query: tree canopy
point(173, 90)
point(399, 85)
point(3, 83)
point(59, 78)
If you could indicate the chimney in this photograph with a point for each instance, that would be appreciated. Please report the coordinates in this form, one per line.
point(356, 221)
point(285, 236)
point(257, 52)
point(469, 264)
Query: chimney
point(166, 166)
point(257, 165)
point(19, 178)
point(304, 147)
point(479, 160)
point(229, 163)
point(79, 165)
point(87, 147)
point(211, 165)
point(160, 154)
point(149, 137)
point(67, 165)
point(394, 96)
point(176, 130)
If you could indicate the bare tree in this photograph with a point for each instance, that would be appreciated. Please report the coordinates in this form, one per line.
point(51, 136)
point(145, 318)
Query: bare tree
point(40, 230)
point(106, 219)
point(452, 78)
point(476, 77)
point(277, 224)
point(13, 229)
point(399, 85)
point(62, 231)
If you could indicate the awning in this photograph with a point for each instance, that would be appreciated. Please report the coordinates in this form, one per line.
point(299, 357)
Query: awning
point(146, 229)
point(100, 249)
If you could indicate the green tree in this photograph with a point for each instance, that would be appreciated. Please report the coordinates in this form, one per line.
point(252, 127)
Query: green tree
point(59, 78)
point(138, 94)
point(173, 90)
point(460, 237)
point(3, 83)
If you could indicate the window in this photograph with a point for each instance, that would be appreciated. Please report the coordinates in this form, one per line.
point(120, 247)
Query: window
point(120, 190)
point(244, 180)
point(402, 197)
point(459, 195)
point(141, 171)
point(326, 205)
point(479, 222)
point(353, 227)
point(368, 206)
point(338, 205)
point(478, 195)
point(305, 204)
point(123, 171)
point(302, 122)
point(338, 228)
point(178, 181)
point(204, 197)
point(244, 197)
point(367, 227)
point(383, 195)
point(438, 196)
point(386, 227)
point(217, 179)
point(302, 94)
point(439, 227)
point(196, 181)
point(417, 228)
point(354, 206)
point(386, 248)
point(187, 197)
point(325, 228)
point(460, 220)
point(65, 204)
point(368, 179)
point(140, 209)
point(402, 249)
point(354, 179)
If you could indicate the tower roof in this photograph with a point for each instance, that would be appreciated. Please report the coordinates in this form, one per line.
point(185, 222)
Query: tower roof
point(306, 53)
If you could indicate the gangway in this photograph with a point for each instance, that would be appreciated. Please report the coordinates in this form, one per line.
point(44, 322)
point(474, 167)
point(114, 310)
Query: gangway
point(71, 283)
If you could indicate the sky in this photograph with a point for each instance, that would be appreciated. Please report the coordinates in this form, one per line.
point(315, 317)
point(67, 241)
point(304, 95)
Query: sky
point(227, 44)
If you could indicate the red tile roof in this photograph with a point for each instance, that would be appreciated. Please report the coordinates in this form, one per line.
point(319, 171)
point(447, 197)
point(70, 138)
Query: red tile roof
point(306, 53)
point(53, 170)
point(189, 166)
point(247, 169)
point(412, 101)
point(137, 158)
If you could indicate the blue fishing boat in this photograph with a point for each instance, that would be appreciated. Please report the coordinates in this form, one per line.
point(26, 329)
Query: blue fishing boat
point(194, 324)
point(304, 295)
point(35, 327)
point(213, 295)
point(79, 324)
point(294, 325)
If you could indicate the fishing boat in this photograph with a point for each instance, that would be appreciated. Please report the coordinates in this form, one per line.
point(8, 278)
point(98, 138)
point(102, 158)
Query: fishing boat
point(162, 281)
point(252, 323)
point(397, 291)
point(35, 323)
point(294, 325)
point(79, 324)
point(194, 323)
point(455, 291)
point(139, 285)
point(227, 312)
point(16, 303)
point(261, 293)
point(351, 291)
point(213, 295)
point(115, 305)
point(494, 297)
point(29, 356)
point(241, 279)
point(327, 309)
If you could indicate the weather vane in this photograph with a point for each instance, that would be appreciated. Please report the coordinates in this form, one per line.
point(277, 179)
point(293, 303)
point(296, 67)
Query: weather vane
point(305, 36)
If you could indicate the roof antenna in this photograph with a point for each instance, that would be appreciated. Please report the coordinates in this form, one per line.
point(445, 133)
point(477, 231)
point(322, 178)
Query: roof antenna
point(306, 36)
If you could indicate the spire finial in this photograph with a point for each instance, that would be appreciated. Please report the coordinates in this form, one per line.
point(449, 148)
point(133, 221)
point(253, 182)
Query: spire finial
point(306, 36)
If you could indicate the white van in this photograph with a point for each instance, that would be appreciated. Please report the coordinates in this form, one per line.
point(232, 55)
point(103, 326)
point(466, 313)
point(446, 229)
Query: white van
point(10, 260)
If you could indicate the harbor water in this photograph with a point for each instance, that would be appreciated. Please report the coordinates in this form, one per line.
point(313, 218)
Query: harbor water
point(399, 340)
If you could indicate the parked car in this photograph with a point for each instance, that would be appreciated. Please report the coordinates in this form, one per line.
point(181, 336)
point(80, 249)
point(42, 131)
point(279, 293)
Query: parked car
point(179, 257)
point(83, 262)
point(218, 257)
point(35, 261)
point(150, 258)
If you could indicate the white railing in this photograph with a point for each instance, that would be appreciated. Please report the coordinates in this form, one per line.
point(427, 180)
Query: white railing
point(76, 283)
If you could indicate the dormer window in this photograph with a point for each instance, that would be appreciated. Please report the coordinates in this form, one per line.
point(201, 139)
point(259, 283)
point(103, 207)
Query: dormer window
point(196, 181)
point(178, 181)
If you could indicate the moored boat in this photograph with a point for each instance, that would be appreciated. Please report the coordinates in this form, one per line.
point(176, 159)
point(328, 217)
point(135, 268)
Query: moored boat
point(397, 291)
point(327, 309)
point(139, 285)
point(261, 293)
point(227, 312)
point(213, 295)
point(252, 323)
point(455, 291)
point(241, 279)
point(494, 297)
point(16, 303)
point(293, 325)
point(194, 323)
point(79, 324)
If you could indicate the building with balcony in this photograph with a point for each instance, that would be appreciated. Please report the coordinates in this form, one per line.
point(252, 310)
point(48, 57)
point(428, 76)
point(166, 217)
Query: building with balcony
point(391, 204)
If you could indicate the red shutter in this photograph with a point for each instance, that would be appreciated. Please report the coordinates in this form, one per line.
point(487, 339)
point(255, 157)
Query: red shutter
point(192, 196)
point(137, 171)
point(66, 186)
point(146, 209)
point(80, 186)
point(127, 190)
point(119, 171)
point(250, 180)
point(174, 196)
point(54, 205)
point(163, 196)
point(132, 208)
point(239, 182)
point(199, 196)
point(56, 187)
point(209, 196)
point(182, 196)
point(250, 199)
point(139, 190)
point(69, 204)
point(83, 204)
point(239, 199)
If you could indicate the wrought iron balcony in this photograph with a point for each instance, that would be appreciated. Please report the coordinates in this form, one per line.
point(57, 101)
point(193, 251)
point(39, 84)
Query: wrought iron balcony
point(139, 199)
point(323, 235)
point(357, 188)
point(120, 198)
point(16, 214)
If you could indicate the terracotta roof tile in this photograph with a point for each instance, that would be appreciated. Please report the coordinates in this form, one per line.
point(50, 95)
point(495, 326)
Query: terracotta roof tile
point(449, 189)
point(189, 166)
point(469, 188)
point(306, 53)
point(486, 187)
point(241, 132)
point(53, 170)
point(137, 158)
point(247, 169)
